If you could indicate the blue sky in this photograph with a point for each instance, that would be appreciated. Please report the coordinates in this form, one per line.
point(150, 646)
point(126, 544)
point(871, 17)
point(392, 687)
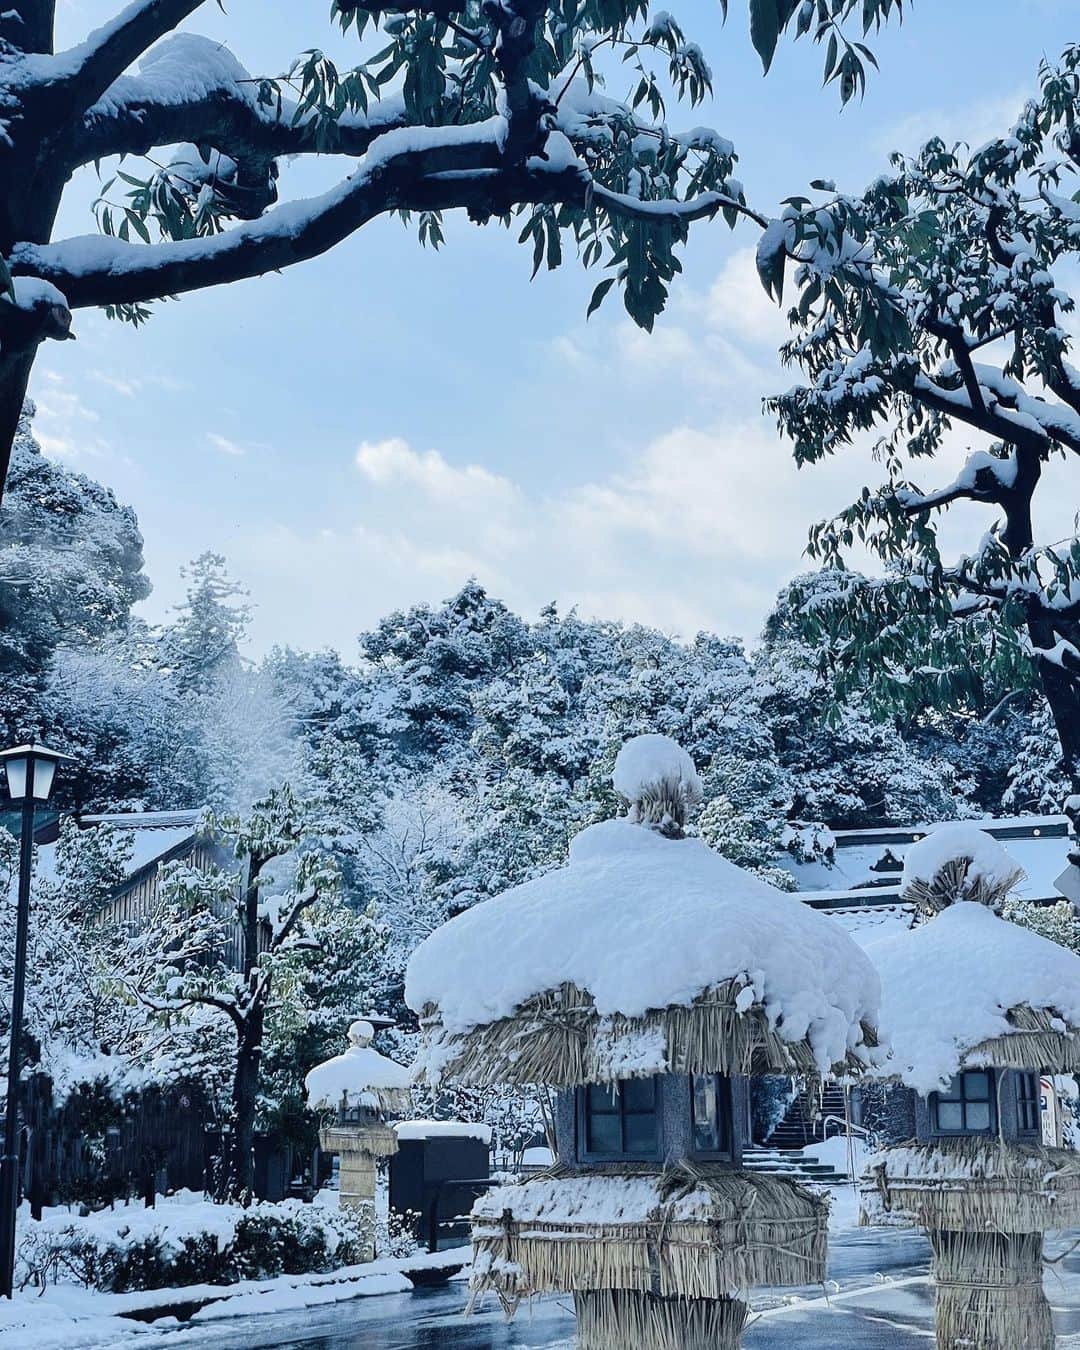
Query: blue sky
point(371, 428)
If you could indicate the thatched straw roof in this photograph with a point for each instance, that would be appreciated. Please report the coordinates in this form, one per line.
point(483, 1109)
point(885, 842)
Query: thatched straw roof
point(974, 1185)
point(686, 1233)
point(967, 988)
point(558, 1039)
point(644, 955)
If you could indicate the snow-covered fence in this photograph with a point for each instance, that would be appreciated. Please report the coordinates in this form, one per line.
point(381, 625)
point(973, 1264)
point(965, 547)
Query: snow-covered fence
point(95, 1147)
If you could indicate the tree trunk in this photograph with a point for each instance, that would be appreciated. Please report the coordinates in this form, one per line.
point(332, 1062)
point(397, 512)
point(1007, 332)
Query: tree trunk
point(15, 367)
point(240, 1162)
point(1062, 690)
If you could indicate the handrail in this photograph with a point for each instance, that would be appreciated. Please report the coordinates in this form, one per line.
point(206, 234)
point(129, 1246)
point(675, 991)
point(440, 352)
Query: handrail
point(847, 1124)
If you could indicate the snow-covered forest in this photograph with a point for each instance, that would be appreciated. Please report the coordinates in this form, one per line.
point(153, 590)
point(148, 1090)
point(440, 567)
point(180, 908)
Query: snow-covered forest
point(454, 753)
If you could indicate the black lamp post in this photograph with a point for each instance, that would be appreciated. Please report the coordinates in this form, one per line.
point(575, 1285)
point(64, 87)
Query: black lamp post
point(30, 772)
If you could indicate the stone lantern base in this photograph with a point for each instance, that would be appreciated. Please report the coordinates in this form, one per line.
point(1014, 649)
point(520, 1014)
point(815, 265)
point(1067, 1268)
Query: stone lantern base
point(637, 1321)
point(985, 1208)
point(989, 1292)
point(359, 1148)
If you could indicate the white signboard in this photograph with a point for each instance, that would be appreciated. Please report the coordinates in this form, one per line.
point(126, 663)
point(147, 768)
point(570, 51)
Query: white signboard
point(1049, 1114)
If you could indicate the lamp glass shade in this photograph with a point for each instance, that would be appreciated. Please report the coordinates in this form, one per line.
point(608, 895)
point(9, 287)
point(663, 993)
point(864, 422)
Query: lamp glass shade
point(44, 773)
point(16, 777)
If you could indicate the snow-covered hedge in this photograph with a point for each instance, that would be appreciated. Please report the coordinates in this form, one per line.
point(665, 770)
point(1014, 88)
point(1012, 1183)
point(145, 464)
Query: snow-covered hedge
point(185, 1240)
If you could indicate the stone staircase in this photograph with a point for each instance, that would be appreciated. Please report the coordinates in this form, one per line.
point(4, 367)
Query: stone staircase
point(799, 1128)
point(791, 1163)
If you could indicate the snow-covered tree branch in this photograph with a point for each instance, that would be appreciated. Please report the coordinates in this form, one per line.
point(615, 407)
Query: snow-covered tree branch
point(494, 109)
point(936, 301)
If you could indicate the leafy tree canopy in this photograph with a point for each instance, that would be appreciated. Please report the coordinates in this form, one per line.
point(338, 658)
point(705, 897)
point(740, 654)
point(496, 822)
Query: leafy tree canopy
point(937, 303)
point(494, 107)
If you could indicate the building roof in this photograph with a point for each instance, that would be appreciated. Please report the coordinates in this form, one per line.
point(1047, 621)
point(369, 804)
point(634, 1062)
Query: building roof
point(156, 837)
point(867, 864)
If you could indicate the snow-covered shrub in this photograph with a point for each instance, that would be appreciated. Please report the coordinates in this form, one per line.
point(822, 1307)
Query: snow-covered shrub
point(396, 1234)
point(186, 1240)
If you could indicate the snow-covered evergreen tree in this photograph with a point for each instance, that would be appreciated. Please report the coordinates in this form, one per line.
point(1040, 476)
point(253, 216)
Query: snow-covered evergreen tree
point(71, 567)
point(850, 763)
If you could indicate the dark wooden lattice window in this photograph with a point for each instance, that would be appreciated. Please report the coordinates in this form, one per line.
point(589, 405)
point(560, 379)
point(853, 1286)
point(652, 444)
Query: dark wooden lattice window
point(620, 1120)
point(967, 1105)
point(710, 1113)
point(1028, 1103)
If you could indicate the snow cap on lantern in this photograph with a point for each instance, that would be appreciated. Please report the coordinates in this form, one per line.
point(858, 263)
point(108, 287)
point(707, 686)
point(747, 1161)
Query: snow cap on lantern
point(656, 776)
point(958, 863)
point(360, 1078)
point(965, 987)
point(647, 953)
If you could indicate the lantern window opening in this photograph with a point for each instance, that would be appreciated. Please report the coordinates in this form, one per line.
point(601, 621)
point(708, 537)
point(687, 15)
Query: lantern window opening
point(711, 1115)
point(966, 1106)
point(620, 1120)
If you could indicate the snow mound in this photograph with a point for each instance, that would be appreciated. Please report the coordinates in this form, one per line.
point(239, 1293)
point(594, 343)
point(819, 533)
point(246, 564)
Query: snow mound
point(442, 1129)
point(643, 922)
point(947, 986)
point(988, 861)
point(648, 761)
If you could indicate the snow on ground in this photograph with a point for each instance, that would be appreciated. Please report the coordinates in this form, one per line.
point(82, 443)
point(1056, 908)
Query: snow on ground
point(65, 1317)
point(948, 984)
point(842, 1153)
point(643, 922)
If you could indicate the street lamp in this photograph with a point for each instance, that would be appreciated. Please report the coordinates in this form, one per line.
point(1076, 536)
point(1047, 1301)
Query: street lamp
point(30, 772)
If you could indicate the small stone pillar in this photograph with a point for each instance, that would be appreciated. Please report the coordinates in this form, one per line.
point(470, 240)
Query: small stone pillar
point(365, 1087)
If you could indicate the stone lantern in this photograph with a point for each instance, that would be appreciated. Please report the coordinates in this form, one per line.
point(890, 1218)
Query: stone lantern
point(976, 1009)
point(644, 982)
point(364, 1088)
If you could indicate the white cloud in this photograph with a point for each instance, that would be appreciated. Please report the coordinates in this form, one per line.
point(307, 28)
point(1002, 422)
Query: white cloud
point(976, 123)
point(225, 445)
point(698, 529)
point(736, 304)
point(66, 427)
point(127, 387)
point(393, 462)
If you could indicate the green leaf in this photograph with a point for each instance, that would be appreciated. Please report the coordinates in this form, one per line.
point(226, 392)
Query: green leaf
point(764, 29)
point(598, 295)
point(771, 257)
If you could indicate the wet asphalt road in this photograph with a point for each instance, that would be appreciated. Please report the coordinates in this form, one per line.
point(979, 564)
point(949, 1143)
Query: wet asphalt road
point(881, 1300)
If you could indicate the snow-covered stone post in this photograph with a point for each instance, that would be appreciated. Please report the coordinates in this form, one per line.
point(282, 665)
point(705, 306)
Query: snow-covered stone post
point(976, 1008)
point(364, 1088)
point(644, 982)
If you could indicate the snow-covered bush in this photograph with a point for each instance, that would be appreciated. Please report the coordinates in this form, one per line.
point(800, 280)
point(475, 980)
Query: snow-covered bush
point(185, 1240)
